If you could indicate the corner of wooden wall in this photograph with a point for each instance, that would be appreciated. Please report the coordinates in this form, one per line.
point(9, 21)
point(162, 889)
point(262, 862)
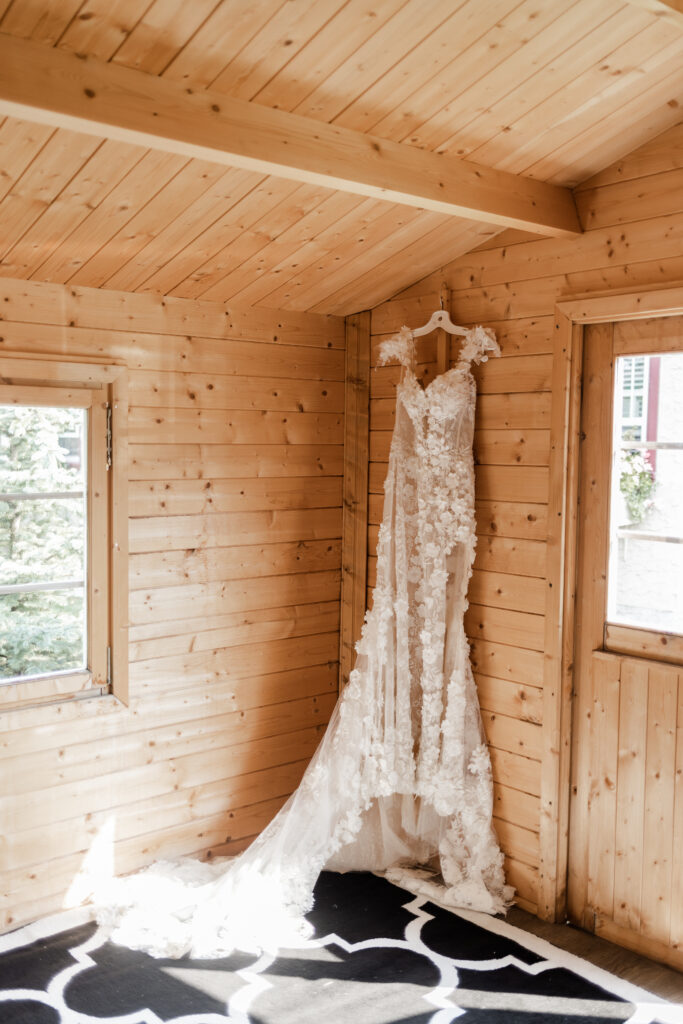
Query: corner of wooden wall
point(355, 494)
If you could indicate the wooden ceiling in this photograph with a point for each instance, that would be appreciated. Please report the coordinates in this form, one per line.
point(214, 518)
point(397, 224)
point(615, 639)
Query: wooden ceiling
point(553, 90)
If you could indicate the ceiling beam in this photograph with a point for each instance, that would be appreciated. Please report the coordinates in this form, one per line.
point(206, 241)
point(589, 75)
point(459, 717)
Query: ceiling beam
point(67, 90)
point(670, 10)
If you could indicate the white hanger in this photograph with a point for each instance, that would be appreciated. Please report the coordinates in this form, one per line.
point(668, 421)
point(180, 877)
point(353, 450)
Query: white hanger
point(439, 319)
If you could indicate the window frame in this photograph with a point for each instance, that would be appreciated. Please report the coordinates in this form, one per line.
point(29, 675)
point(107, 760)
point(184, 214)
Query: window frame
point(622, 638)
point(39, 380)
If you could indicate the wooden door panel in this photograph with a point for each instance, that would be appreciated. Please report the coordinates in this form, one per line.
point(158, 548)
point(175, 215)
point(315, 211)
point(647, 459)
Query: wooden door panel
point(660, 769)
point(635, 805)
point(630, 818)
point(602, 788)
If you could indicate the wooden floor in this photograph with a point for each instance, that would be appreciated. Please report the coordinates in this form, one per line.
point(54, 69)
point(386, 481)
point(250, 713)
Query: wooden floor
point(656, 978)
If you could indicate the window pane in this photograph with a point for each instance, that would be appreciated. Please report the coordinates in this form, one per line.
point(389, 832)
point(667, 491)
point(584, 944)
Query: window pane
point(669, 427)
point(645, 584)
point(43, 539)
point(41, 449)
point(41, 632)
point(648, 591)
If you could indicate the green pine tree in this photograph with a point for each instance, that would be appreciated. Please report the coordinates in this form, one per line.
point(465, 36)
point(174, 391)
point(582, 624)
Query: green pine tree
point(40, 540)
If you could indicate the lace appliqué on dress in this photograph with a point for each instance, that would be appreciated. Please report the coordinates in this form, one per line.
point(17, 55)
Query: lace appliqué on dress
point(397, 349)
point(478, 344)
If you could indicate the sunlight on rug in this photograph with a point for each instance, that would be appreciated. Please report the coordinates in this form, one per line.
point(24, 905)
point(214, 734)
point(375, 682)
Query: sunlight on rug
point(379, 956)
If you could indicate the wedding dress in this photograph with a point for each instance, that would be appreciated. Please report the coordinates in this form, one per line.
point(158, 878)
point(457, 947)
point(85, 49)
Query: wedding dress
point(401, 781)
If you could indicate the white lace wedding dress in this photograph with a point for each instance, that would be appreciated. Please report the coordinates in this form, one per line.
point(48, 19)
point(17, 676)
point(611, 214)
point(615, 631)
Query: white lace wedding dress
point(401, 781)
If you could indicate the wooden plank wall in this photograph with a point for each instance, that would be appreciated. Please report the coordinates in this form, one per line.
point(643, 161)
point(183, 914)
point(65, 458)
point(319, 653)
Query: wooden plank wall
point(633, 215)
point(236, 460)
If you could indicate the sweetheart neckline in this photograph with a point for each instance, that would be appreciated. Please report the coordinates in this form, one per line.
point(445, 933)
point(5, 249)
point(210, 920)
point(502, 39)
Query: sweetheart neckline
point(412, 376)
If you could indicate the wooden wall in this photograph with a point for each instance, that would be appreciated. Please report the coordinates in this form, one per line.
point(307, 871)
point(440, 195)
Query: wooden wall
point(633, 216)
point(236, 461)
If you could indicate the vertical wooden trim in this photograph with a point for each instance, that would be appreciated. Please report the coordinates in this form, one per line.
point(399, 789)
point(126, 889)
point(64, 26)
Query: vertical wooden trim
point(98, 540)
point(355, 514)
point(596, 434)
point(443, 339)
point(118, 487)
point(559, 608)
point(569, 588)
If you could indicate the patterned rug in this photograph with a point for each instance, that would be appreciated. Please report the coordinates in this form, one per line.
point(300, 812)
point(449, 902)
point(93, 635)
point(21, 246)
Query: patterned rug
point(379, 956)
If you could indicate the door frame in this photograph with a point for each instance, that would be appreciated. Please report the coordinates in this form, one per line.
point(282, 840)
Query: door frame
point(572, 313)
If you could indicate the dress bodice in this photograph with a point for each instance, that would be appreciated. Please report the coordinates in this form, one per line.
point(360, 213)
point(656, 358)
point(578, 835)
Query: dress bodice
point(448, 395)
point(431, 452)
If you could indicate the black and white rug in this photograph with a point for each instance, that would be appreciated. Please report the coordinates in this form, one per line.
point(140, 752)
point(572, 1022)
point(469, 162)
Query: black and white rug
point(379, 956)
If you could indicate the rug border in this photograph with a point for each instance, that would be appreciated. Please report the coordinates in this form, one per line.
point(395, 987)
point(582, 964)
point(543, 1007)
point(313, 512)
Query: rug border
point(626, 990)
point(73, 918)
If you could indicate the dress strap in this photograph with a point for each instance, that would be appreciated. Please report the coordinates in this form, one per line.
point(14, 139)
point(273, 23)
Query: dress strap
point(400, 349)
point(479, 343)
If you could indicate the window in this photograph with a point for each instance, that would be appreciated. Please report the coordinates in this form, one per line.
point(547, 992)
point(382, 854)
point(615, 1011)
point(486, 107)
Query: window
point(63, 593)
point(44, 534)
point(645, 576)
point(632, 389)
